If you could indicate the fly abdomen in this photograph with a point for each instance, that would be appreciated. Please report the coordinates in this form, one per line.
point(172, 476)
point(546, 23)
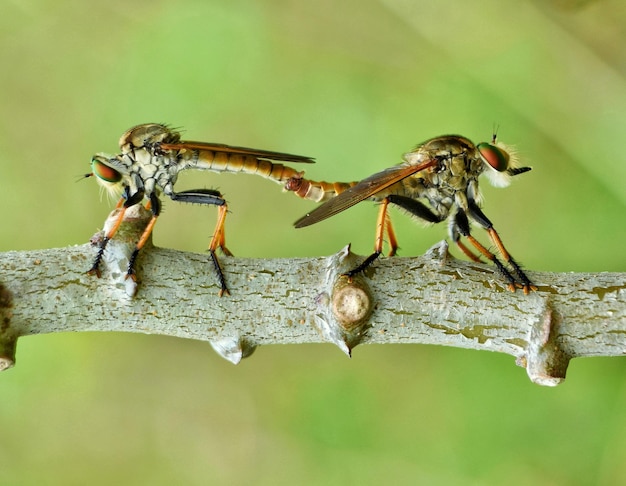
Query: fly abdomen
point(241, 163)
point(317, 191)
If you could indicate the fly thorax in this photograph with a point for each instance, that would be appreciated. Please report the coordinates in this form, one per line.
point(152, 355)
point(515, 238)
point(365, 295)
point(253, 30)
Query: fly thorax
point(168, 188)
point(457, 166)
point(413, 186)
point(149, 186)
point(457, 183)
point(440, 202)
point(148, 136)
point(460, 200)
point(452, 179)
point(439, 197)
point(165, 177)
point(476, 167)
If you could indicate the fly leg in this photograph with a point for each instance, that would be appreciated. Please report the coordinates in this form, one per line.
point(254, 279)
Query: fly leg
point(461, 227)
point(391, 236)
point(155, 207)
point(416, 209)
point(455, 235)
point(383, 224)
point(477, 214)
point(218, 240)
point(423, 212)
point(124, 203)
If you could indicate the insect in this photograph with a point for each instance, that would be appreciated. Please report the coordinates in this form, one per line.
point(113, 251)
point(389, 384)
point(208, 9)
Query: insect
point(437, 181)
point(152, 155)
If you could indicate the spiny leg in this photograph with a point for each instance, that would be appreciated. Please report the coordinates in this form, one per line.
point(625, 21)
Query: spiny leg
point(458, 226)
point(381, 225)
point(490, 256)
point(218, 240)
point(154, 205)
point(462, 226)
point(477, 214)
point(468, 253)
point(455, 235)
point(95, 267)
point(527, 286)
point(123, 204)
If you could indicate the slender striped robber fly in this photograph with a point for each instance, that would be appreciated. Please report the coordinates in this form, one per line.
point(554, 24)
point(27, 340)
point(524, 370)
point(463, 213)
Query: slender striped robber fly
point(437, 181)
point(152, 155)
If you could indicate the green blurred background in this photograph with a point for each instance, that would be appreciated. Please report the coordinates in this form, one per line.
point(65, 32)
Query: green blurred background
point(354, 84)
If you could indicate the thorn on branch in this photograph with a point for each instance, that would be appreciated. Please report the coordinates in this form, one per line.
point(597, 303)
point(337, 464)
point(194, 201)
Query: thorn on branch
point(233, 349)
point(7, 351)
point(427, 300)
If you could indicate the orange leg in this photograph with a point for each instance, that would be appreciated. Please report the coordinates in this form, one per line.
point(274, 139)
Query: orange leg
point(498, 242)
point(393, 241)
point(95, 268)
point(526, 285)
point(381, 226)
point(123, 204)
point(140, 244)
point(520, 279)
point(486, 253)
point(154, 206)
point(218, 240)
point(469, 253)
point(118, 222)
point(490, 256)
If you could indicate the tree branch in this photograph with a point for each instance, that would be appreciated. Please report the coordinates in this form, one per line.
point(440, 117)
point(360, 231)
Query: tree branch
point(433, 299)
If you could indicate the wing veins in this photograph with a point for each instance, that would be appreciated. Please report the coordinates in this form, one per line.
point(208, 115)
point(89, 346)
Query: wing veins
point(361, 191)
point(219, 147)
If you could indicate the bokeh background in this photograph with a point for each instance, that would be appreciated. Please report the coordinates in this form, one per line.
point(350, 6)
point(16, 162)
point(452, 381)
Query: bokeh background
point(355, 84)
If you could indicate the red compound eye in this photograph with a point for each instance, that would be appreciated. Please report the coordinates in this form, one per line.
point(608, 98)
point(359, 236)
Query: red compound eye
point(494, 156)
point(105, 172)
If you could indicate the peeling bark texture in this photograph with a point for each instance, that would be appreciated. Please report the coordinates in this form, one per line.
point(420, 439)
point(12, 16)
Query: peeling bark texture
point(433, 299)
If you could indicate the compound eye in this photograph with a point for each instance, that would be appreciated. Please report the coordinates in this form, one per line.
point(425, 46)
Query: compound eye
point(105, 172)
point(494, 156)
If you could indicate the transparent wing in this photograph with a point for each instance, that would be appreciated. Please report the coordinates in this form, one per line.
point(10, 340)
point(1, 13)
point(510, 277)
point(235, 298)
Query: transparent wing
point(364, 189)
point(218, 147)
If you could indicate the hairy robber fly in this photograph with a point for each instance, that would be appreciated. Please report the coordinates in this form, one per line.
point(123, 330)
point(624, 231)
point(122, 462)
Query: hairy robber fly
point(438, 180)
point(151, 157)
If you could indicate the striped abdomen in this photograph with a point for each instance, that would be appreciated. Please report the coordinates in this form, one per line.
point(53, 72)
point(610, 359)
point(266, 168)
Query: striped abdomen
point(317, 191)
point(245, 163)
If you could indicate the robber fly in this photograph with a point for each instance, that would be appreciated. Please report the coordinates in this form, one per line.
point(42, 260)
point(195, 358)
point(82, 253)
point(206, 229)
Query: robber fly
point(151, 157)
point(438, 180)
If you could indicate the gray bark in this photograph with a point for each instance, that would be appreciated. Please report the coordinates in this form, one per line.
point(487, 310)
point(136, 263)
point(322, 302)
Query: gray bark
point(433, 299)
